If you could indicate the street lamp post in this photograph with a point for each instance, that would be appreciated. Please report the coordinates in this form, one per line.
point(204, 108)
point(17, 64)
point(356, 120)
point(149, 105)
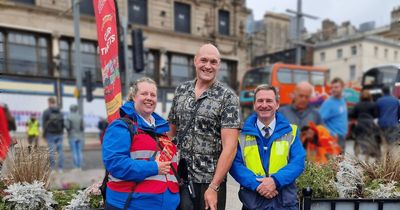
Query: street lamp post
point(57, 74)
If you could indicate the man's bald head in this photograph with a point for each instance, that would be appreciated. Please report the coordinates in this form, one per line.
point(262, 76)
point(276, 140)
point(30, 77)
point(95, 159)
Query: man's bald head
point(302, 95)
point(304, 86)
point(208, 49)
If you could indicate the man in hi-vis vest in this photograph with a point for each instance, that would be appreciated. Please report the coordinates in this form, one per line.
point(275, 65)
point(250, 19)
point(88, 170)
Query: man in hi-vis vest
point(270, 156)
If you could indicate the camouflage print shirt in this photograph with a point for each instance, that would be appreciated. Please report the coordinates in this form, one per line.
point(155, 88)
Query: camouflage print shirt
point(201, 146)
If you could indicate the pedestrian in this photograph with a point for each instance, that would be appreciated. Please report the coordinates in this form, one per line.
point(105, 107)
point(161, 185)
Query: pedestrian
point(269, 157)
point(368, 136)
point(5, 139)
point(142, 166)
point(102, 125)
point(300, 112)
point(53, 130)
point(388, 115)
point(334, 112)
point(12, 126)
point(75, 128)
point(32, 130)
point(204, 120)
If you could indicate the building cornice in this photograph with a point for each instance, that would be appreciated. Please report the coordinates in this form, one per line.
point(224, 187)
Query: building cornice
point(357, 38)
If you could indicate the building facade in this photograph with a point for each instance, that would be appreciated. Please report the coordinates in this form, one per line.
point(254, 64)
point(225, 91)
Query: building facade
point(37, 47)
point(270, 35)
point(348, 57)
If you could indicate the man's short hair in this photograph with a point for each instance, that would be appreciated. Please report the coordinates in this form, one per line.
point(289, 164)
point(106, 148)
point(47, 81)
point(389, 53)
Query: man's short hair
point(386, 90)
point(266, 87)
point(51, 100)
point(337, 80)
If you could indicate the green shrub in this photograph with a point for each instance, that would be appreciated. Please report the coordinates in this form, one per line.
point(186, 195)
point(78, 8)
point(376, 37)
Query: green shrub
point(320, 179)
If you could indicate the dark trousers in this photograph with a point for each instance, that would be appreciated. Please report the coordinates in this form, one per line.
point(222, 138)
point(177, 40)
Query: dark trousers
point(111, 207)
point(198, 203)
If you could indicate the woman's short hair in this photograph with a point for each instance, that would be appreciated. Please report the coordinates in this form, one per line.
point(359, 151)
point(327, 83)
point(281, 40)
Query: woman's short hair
point(133, 89)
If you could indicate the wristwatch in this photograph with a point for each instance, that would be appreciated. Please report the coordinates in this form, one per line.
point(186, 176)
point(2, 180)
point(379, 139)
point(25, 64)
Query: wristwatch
point(213, 187)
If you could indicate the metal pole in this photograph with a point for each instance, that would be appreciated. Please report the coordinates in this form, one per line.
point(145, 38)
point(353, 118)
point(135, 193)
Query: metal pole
point(298, 32)
point(128, 73)
point(77, 42)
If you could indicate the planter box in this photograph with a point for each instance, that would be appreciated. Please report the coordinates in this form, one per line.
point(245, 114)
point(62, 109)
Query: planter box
point(309, 203)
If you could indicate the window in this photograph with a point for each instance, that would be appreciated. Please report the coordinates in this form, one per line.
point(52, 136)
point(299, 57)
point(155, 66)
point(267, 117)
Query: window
point(352, 73)
point(376, 51)
point(285, 76)
point(317, 78)
point(223, 24)
point(90, 60)
point(43, 56)
point(300, 76)
point(26, 53)
point(339, 53)
point(386, 52)
point(181, 69)
point(182, 17)
point(86, 7)
point(227, 72)
point(32, 2)
point(354, 50)
point(65, 59)
point(322, 56)
point(137, 10)
point(2, 54)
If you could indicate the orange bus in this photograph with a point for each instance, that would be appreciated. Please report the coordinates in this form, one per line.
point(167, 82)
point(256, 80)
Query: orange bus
point(284, 77)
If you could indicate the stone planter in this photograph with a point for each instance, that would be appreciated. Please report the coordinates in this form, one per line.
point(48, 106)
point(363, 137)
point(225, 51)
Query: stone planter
point(310, 203)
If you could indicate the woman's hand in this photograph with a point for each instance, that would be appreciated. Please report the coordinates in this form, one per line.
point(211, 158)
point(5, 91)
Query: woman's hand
point(163, 167)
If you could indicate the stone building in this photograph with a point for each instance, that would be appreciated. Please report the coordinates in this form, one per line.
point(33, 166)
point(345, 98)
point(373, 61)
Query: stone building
point(348, 57)
point(35, 33)
point(270, 35)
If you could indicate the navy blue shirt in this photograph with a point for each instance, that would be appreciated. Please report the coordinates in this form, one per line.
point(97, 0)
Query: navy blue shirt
point(388, 111)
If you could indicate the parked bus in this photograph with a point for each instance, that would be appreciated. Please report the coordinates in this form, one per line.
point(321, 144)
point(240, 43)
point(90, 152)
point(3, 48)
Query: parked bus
point(283, 76)
point(377, 77)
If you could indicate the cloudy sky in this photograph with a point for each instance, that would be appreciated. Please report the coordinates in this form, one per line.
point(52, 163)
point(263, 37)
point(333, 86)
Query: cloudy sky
point(356, 11)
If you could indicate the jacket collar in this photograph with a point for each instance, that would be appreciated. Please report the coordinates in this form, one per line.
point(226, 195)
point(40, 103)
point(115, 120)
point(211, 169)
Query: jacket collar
point(282, 126)
point(161, 125)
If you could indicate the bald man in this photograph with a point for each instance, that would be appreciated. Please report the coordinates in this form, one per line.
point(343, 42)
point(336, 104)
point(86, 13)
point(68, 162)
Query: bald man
point(204, 121)
point(299, 112)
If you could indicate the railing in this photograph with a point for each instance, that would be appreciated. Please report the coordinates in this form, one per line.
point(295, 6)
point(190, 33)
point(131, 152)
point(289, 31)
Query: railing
point(310, 203)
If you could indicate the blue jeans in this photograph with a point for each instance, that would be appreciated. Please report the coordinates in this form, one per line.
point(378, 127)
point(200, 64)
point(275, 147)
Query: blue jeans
point(76, 151)
point(54, 142)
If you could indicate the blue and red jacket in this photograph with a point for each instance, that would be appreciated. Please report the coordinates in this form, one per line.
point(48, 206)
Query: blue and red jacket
point(131, 164)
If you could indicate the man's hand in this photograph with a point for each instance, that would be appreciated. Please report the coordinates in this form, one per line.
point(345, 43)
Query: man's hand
point(163, 167)
point(267, 187)
point(211, 199)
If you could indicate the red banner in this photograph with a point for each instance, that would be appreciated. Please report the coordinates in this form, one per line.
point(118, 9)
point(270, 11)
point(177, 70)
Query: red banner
point(107, 37)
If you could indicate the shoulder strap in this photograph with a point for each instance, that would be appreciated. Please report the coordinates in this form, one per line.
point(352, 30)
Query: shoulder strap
point(181, 135)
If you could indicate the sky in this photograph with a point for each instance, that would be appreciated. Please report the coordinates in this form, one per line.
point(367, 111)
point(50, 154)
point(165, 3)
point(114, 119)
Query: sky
point(355, 11)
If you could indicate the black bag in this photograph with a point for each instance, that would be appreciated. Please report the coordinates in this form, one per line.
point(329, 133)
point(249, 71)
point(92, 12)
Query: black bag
point(55, 123)
point(103, 187)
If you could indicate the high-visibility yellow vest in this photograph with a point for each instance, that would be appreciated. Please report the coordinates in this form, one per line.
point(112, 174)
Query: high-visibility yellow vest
point(33, 128)
point(279, 155)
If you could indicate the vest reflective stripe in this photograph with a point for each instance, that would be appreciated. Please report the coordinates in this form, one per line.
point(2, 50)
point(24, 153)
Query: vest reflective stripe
point(162, 178)
point(146, 154)
point(33, 128)
point(279, 153)
point(142, 154)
